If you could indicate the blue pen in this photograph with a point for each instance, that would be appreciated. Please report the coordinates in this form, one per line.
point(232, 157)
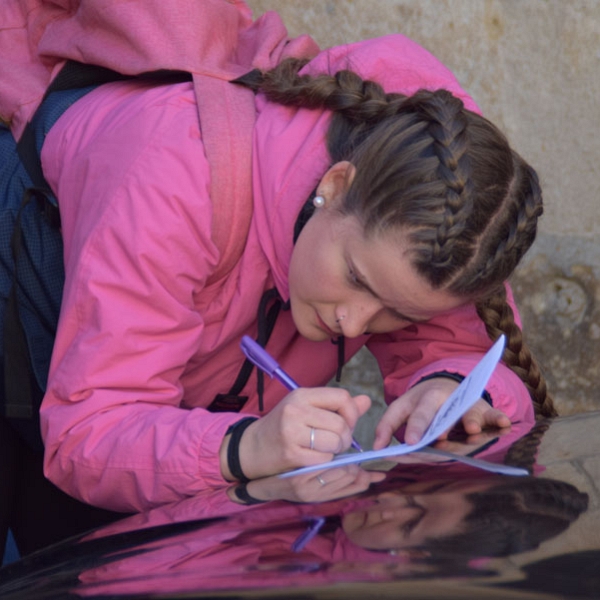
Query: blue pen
point(265, 362)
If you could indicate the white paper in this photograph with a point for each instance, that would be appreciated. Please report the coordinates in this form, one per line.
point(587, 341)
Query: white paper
point(477, 462)
point(463, 397)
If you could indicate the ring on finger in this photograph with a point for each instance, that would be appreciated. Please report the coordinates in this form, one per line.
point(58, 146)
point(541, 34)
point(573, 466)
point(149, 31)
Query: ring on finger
point(312, 438)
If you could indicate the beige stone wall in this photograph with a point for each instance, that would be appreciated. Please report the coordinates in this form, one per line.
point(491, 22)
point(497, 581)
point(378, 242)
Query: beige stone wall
point(533, 66)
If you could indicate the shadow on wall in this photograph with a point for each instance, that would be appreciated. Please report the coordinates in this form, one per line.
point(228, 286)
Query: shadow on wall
point(561, 322)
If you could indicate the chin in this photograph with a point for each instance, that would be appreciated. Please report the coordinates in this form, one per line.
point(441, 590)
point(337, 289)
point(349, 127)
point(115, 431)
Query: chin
point(314, 334)
point(304, 317)
point(311, 331)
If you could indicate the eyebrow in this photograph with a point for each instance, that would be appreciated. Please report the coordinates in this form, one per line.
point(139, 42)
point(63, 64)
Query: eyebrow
point(395, 312)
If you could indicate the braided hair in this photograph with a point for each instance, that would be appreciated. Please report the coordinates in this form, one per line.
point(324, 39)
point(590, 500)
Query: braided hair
point(445, 175)
point(514, 515)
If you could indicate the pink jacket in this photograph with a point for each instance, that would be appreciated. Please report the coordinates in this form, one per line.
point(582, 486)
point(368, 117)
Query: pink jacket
point(151, 319)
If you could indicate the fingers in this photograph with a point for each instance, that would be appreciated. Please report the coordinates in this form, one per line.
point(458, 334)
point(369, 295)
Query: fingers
point(363, 403)
point(419, 420)
point(334, 415)
point(326, 441)
point(417, 408)
point(395, 415)
point(482, 416)
point(429, 396)
point(339, 401)
point(308, 427)
point(327, 484)
point(332, 483)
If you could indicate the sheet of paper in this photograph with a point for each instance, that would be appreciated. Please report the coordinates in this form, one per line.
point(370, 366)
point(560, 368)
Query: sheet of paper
point(477, 462)
point(463, 397)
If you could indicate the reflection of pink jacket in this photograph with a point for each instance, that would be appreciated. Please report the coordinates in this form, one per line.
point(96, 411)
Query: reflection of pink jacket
point(147, 329)
point(254, 547)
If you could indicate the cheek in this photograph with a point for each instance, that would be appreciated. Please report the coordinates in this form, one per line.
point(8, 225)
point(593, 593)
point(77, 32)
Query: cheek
point(380, 537)
point(301, 282)
point(312, 276)
point(385, 323)
point(297, 273)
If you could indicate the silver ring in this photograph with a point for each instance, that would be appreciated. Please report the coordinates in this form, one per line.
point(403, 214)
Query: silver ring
point(321, 480)
point(312, 438)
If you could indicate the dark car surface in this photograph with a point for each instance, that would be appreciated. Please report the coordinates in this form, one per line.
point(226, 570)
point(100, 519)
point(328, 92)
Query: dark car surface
point(431, 528)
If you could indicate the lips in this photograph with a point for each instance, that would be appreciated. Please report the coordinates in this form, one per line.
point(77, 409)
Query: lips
point(324, 327)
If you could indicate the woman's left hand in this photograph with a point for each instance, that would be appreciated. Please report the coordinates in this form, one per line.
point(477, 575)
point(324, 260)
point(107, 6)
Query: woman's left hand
point(418, 406)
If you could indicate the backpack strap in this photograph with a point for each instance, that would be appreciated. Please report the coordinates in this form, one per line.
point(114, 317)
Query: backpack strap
point(73, 82)
point(23, 386)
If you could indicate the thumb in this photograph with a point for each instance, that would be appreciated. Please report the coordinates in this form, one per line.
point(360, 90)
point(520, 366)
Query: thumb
point(363, 403)
point(383, 434)
point(481, 415)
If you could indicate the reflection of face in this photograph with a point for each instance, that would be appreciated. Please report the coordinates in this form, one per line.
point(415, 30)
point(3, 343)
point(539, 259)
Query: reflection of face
point(407, 520)
point(369, 283)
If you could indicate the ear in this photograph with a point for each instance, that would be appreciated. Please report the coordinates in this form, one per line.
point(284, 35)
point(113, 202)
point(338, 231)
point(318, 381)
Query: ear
point(336, 182)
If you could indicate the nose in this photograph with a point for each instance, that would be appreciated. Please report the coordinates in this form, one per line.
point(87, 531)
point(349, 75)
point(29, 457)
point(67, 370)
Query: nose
point(355, 318)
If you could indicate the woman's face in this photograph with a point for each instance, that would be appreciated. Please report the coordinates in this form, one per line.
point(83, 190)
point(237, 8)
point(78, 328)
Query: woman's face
point(368, 284)
point(407, 520)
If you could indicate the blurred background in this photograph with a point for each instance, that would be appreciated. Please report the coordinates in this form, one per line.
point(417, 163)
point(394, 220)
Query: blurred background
point(533, 67)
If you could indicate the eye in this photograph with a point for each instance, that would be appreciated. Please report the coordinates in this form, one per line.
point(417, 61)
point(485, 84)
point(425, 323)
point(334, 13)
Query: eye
point(408, 527)
point(354, 280)
point(400, 318)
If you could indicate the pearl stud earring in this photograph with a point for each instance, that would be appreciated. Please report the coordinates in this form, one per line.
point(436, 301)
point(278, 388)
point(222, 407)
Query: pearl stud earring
point(319, 201)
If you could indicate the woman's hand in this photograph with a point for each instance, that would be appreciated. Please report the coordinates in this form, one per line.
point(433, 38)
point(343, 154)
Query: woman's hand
point(417, 407)
point(308, 427)
point(318, 486)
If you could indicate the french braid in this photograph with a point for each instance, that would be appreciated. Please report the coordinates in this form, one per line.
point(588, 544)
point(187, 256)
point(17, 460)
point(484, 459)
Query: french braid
point(498, 318)
point(523, 452)
point(444, 175)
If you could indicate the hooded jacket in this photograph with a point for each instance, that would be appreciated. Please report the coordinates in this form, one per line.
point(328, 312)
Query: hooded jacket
point(178, 206)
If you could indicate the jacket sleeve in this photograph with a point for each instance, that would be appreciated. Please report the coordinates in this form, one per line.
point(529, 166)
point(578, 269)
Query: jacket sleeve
point(453, 342)
point(136, 222)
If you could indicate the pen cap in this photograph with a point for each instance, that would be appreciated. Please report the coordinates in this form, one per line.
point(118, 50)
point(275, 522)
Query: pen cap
point(258, 356)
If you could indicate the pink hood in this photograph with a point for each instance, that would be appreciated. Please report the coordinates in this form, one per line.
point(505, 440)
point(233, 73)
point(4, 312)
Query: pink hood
point(215, 40)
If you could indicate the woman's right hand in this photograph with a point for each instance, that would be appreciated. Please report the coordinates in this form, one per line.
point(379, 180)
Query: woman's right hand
point(281, 440)
point(318, 486)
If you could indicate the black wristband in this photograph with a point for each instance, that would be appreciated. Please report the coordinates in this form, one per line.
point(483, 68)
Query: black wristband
point(233, 450)
point(456, 377)
point(241, 493)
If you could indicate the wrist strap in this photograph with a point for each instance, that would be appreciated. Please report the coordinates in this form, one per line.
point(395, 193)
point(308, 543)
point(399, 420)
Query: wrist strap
point(233, 450)
point(485, 395)
point(241, 492)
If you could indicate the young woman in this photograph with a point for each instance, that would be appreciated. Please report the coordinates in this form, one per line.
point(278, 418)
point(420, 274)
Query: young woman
point(374, 206)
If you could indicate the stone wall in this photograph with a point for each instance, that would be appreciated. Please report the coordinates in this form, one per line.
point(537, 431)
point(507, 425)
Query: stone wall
point(533, 66)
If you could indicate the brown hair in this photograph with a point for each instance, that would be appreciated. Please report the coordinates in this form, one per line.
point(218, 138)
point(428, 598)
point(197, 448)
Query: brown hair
point(514, 516)
point(445, 175)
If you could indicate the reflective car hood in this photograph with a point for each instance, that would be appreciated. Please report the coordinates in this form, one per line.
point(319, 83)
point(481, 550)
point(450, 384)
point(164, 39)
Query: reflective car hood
point(431, 528)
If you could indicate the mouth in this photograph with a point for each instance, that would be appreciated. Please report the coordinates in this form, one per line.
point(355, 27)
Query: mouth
point(322, 325)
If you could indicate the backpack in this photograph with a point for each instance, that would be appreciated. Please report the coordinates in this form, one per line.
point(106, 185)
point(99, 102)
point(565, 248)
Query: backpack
point(31, 249)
